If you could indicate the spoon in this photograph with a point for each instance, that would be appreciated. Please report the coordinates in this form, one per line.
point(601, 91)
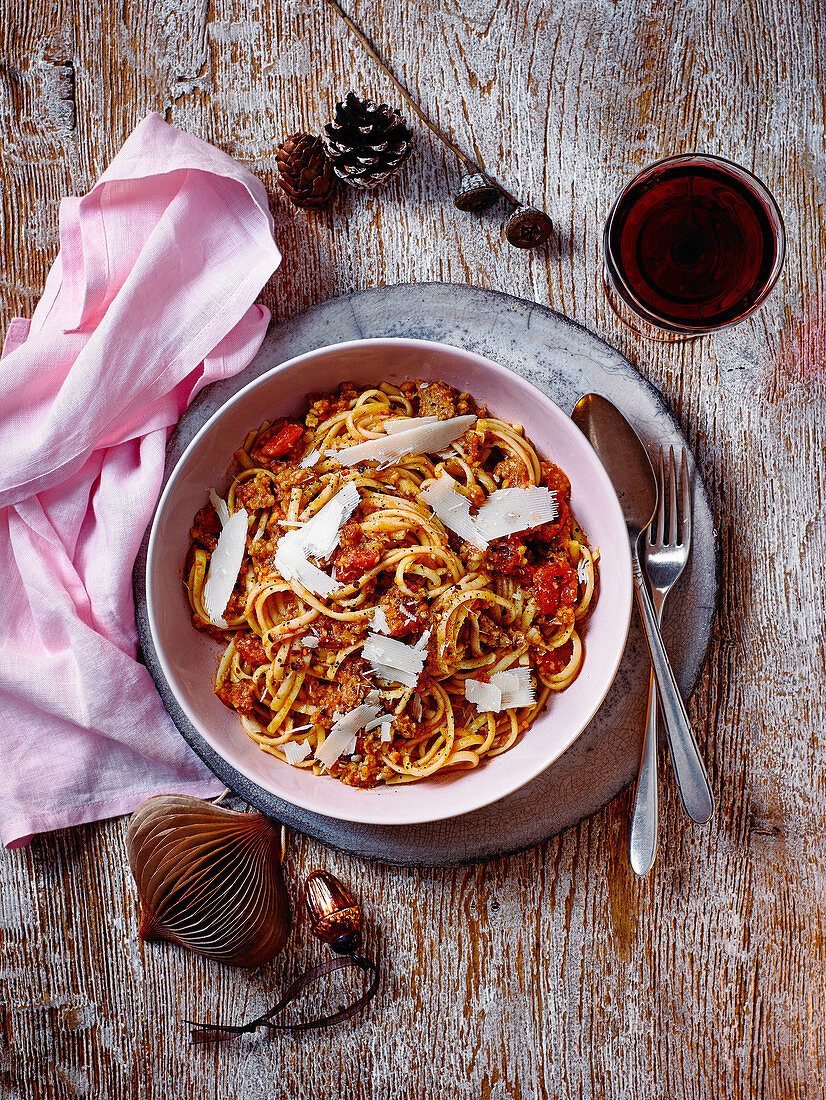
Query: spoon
point(627, 464)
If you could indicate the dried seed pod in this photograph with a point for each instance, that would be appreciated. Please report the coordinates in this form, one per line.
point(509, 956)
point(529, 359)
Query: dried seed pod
point(528, 227)
point(334, 912)
point(209, 878)
point(476, 193)
point(305, 174)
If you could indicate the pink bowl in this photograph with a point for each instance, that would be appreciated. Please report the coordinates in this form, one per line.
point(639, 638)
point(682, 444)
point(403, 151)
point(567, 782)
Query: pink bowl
point(189, 659)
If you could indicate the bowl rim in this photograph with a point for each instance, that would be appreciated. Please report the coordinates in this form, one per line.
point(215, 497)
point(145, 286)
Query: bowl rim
point(398, 816)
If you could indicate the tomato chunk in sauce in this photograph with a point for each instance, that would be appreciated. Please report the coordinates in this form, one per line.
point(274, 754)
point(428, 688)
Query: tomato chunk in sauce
point(279, 444)
point(555, 585)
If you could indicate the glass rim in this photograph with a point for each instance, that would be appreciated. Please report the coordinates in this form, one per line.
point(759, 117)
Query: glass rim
point(644, 312)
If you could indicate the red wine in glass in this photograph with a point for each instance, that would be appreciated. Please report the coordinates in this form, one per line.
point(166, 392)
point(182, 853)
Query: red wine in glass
point(693, 243)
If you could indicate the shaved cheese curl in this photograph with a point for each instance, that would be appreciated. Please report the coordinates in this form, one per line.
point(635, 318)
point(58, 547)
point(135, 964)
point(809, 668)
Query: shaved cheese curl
point(225, 565)
point(453, 509)
point(509, 510)
point(487, 697)
point(424, 439)
point(343, 732)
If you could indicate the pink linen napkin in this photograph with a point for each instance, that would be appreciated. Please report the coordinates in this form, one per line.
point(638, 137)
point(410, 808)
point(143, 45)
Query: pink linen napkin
point(151, 297)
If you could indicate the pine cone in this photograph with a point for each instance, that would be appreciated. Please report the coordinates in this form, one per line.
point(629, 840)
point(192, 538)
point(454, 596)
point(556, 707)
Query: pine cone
point(306, 176)
point(366, 143)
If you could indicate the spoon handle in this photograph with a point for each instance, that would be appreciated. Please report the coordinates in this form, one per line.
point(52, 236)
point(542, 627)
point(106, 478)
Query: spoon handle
point(690, 772)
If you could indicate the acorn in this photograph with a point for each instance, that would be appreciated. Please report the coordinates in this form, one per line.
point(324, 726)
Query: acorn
point(335, 915)
point(476, 194)
point(528, 227)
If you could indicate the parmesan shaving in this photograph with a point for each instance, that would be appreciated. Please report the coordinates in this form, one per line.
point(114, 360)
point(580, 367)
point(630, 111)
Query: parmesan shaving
point(405, 423)
point(487, 697)
point(342, 737)
point(371, 725)
point(509, 510)
point(422, 642)
point(387, 731)
point(310, 459)
point(379, 621)
point(505, 681)
point(226, 560)
point(504, 512)
point(394, 660)
point(220, 507)
point(510, 688)
point(453, 510)
point(319, 537)
point(300, 729)
point(582, 570)
point(291, 562)
point(296, 751)
point(423, 439)
point(516, 686)
point(310, 641)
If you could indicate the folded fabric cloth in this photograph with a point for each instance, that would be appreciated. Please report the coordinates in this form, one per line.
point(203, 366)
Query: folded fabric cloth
point(151, 297)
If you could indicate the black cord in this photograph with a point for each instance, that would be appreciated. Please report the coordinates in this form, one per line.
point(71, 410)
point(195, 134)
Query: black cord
point(215, 1033)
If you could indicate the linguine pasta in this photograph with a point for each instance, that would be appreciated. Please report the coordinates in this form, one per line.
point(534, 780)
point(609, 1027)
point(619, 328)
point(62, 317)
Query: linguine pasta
point(298, 666)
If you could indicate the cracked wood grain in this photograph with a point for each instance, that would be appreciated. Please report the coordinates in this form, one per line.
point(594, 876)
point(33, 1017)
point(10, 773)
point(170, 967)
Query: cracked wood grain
point(554, 973)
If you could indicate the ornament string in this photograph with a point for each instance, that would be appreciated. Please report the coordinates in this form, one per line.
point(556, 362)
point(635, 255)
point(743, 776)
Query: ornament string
point(204, 1033)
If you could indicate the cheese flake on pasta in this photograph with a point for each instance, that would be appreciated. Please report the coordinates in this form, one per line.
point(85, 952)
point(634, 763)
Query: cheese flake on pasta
point(423, 439)
point(225, 563)
point(509, 510)
point(318, 537)
point(405, 423)
point(516, 686)
point(296, 751)
point(487, 697)
point(394, 660)
point(582, 570)
point(453, 509)
point(309, 460)
point(379, 621)
point(342, 736)
point(504, 512)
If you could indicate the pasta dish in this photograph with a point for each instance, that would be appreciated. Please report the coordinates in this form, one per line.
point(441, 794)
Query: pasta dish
point(398, 581)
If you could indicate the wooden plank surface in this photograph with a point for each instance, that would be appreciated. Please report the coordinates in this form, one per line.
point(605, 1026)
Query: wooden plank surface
point(554, 973)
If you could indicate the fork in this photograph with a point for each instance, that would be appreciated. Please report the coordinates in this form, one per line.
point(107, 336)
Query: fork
point(663, 562)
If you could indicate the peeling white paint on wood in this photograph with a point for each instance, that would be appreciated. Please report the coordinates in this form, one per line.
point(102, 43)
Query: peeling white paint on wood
point(554, 973)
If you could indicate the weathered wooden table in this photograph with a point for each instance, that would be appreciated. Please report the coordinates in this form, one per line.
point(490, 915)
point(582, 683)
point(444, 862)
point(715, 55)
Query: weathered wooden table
point(554, 973)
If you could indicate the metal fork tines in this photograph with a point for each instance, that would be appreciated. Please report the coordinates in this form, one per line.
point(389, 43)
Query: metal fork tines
point(666, 550)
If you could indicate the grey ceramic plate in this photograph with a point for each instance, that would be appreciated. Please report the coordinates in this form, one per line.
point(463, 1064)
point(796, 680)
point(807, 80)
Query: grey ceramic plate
point(566, 361)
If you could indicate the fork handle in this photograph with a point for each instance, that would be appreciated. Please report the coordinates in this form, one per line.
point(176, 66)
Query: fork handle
point(689, 770)
point(643, 847)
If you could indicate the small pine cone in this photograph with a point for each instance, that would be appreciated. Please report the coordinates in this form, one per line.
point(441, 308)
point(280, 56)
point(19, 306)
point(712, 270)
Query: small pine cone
point(305, 174)
point(366, 143)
